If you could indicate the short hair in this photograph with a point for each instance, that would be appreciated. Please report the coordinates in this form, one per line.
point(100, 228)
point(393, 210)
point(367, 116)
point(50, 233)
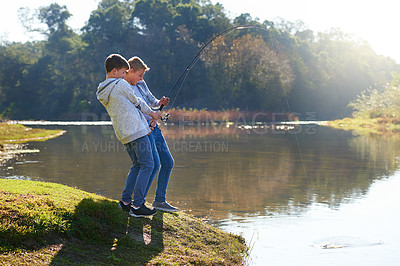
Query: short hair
point(136, 63)
point(115, 61)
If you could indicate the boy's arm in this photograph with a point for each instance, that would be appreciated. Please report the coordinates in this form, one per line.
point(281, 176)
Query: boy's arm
point(154, 102)
point(126, 90)
point(156, 115)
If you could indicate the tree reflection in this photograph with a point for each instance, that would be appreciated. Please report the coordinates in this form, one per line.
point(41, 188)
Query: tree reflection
point(262, 174)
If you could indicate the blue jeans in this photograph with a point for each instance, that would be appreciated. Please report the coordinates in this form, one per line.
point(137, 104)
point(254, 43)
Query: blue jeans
point(162, 157)
point(140, 153)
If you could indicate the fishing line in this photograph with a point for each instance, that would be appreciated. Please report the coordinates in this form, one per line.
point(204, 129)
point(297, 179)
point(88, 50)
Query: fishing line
point(183, 81)
point(289, 110)
point(197, 57)
point(166, 117)
point(185, 73)
point(180, 88)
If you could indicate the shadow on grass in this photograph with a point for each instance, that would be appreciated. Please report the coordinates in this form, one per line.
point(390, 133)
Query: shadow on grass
point(101, 234)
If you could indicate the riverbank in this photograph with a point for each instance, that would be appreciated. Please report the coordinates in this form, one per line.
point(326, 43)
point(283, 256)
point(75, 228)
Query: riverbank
point(12, 137)
point(46, 223)
point(363, 126)
point(16, 133)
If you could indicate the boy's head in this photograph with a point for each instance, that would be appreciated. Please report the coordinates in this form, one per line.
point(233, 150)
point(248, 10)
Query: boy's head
point(137, 70)
point(137, 64)
point(116, 66)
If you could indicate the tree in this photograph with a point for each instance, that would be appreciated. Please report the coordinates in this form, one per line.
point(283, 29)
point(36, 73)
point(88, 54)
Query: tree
point(256, 69)
point(247, 74)
point(153, 14)
point(51, 80)
point(55, 17)
point(16, 60)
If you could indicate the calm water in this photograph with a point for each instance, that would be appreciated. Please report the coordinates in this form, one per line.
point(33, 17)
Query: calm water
point(304, 196)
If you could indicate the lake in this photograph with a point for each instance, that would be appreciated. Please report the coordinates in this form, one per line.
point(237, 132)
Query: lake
point(299, 194)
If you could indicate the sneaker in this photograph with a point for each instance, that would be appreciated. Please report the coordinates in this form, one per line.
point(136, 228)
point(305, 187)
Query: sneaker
point(124, 207)
point(164, 206)
point(142, 211)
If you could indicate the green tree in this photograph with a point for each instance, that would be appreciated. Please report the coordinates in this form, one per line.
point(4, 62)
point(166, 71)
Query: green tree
point(247, 74)
point(168, 31)
point(150, 14)
point(53, 76)
point(16, 59)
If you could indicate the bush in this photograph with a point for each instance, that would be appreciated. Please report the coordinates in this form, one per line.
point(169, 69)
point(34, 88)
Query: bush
point(373, 104)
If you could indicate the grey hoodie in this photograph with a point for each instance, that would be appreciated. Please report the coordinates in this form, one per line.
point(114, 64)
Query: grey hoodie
point(124, 108)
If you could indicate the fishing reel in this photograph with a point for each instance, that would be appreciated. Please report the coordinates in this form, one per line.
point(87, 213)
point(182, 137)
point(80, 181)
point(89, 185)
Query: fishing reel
point(165, 118)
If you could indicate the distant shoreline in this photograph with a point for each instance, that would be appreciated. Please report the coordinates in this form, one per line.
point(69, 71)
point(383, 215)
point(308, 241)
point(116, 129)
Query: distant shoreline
point(377, 126)
point(12, 137)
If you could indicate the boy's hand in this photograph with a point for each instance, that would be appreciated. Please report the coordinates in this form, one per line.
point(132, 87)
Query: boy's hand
point(164, 101)
point(152, 125)
point(155, 115)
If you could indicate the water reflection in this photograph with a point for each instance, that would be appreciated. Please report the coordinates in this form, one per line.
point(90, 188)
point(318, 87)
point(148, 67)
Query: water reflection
point(223, 171)
point(263, 174)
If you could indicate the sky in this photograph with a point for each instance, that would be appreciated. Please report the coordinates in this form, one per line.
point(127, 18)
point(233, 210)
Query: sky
point(375, 21)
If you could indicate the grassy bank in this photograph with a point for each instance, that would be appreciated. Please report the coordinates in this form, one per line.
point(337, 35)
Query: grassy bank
point(17, 133)
point(46, 223)
point(378, 125)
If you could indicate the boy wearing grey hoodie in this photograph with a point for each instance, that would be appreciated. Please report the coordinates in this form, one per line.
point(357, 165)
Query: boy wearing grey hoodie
point(131, 128)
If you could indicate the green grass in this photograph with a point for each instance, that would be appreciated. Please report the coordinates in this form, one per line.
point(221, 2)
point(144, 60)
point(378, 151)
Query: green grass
point(19, 133)
point(46, 223)
point(362, 126)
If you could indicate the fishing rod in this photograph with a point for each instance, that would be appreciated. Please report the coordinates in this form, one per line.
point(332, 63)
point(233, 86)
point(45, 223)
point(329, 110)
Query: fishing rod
point(197, 56)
